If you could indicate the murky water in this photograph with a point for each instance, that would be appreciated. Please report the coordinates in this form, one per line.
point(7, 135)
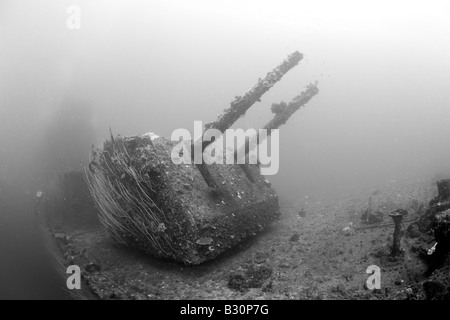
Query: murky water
point(132, 67)
point(27, 268)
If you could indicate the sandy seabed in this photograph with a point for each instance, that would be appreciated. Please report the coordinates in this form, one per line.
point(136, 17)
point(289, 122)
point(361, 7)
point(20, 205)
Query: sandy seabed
point(320, 252)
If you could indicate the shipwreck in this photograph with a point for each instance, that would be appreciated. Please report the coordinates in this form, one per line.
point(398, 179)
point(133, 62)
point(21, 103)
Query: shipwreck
point(188, 212)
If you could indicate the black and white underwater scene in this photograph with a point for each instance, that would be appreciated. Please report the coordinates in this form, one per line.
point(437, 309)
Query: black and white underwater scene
point(224, 150)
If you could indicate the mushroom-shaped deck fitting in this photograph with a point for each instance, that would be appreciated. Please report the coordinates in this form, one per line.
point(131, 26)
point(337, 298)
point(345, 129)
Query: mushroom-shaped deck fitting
point(397, 216)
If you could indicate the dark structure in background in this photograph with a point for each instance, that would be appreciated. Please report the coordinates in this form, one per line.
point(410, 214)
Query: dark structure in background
point(189, 213)
point(29, 268)
point(435, 224)
point(67, 140)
